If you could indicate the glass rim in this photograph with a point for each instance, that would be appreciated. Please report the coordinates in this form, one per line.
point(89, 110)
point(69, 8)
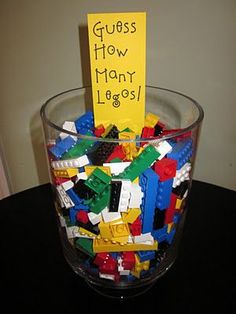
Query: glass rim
point(149, 140)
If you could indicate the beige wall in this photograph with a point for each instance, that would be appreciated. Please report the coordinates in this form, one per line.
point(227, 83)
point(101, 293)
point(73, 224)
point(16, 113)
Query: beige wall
point(191, 48)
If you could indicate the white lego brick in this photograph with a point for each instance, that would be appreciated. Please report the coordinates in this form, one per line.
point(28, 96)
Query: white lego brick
point(163, 148)
point(69, 126)
point(110, 216)
point(107, 276)
point(82, 176)
point(71, 232)
point(182, 174)
point(70, 163)
point(67, 185)
point(64, 198)
point(94, 218)
point(143, 238)
point(124, 195)
point(136, 196)
point(117, 167)
point(124, 272)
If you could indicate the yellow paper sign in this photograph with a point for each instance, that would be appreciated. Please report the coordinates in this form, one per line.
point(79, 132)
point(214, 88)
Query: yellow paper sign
point(117, 43)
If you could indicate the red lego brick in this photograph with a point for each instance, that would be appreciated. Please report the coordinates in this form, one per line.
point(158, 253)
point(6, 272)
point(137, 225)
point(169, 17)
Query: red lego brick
point(99, 130)
point(147, 133)
point(82, 216)
point(118, 152)
point(128, 260)
point(136, 227)
point(101, 258)
point(170, 211)
point(165, 168)
point(177, 138)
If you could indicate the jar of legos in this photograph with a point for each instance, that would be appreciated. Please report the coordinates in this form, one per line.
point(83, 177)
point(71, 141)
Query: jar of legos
point(121, 196)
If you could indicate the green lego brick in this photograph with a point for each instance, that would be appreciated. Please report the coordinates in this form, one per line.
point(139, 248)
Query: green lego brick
point(98, 181)
point(116, 160)
point(85, 245)
point(140, 164)
point(100, 201)
point(79, 149)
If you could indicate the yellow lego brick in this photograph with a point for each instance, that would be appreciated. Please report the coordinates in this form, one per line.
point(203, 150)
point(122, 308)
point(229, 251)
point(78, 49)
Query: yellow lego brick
point(90, 169)
point(136, 181)
point(178, 203)
point(139, 266)
point(127, 135)
point(105, 231)
point(136, 273)
point(169, 227)
point(87, 232)
point(99, 245)
point(107, 130)
point(65, 173)
point(151, 120)
point(121, 240)
point(132, 215)
point(119, 229)
point(115, 231)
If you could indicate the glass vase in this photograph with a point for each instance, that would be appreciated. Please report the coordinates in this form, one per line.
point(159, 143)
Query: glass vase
point(121, 199)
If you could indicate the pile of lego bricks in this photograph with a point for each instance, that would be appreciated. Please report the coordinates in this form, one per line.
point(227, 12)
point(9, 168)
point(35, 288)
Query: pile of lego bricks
point(120, 202)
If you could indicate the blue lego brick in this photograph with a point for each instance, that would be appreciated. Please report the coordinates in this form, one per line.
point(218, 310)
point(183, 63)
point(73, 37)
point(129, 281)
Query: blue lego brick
point(82, 206)
point(146, 255)
point(176, 218)
point(61, 147)
point(163, 194)
point(182, 152)
point(170, 236)
point(160, 234)
point(148, 181)
point(72, 214)
point(85, 122)
point(74, 197)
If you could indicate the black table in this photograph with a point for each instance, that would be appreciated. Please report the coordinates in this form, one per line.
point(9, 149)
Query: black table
point(35, 278)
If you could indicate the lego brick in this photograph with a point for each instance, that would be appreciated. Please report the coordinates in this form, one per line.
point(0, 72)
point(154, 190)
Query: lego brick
point(110, 216)
point(165, 168)
point(160, 234)
point(90, 169)
point(149, 185)
point(100, 245)
point(146, 255)
point(68, 126)
point(131, 215)
point(86, 121)
point(140, 164)
point(159, 218)
point(124, 195)
point(72, 163)
point(61, 147)
point(86, 245)
point(64, 198)
point(118, 167)
point(101, 201)
point(82, 190)
point(136, 227)
point(136, 196)
point(115, 196)
point(164, 193)
point(65, 173)
point(80, 148)
point(182, 152)
point(93, 218)
point(151, 120)
point(98, 181)
point(182, 174)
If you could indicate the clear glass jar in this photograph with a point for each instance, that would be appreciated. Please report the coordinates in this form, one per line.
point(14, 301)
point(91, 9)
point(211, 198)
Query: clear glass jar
point(121, 200)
